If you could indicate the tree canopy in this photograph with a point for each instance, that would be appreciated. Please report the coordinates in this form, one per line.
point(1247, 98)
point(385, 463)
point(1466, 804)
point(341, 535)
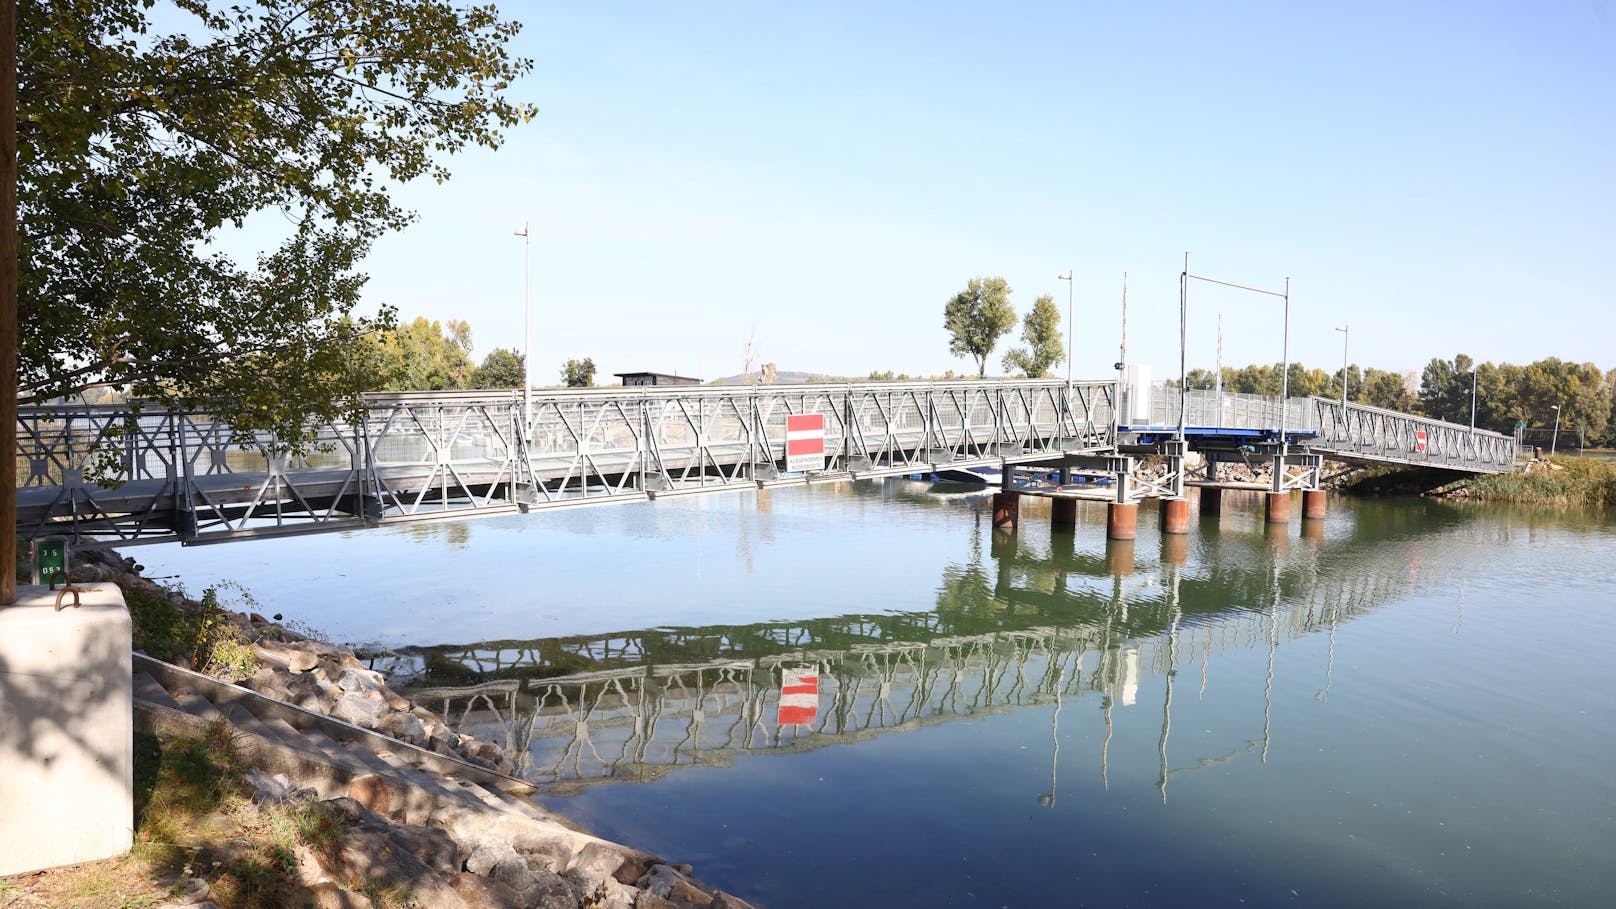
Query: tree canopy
point(578, 373)
point(977, 317)
point(143, 150)
point(502, 368)
point(423, 355)
point(1040, 331)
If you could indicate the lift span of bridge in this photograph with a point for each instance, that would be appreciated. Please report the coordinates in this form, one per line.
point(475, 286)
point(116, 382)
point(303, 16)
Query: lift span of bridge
point(116, 475)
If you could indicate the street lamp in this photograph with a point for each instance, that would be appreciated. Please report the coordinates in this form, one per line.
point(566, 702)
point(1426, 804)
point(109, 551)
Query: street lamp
point(1070, 328)
point(1473, 372)
point(1555, 440)
point(527, 331)
point(1346, 335)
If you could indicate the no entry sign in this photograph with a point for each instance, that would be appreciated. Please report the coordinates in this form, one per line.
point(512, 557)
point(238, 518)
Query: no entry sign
point(799, 696)
point(805, 442)
point(1419, 440)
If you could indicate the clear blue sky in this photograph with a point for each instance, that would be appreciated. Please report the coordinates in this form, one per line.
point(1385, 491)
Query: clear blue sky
point(1442, 176)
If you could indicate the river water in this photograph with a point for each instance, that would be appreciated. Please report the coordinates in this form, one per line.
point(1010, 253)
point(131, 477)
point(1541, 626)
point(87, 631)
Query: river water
point(1407, 704)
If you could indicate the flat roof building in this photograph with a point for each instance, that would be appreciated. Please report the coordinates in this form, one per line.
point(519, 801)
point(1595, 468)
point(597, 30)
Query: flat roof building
point(655, 378)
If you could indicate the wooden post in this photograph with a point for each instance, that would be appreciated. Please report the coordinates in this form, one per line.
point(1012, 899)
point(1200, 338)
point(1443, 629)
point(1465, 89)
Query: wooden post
point(8, 302)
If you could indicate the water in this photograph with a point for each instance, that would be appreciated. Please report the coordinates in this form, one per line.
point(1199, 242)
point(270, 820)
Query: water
point(1408, 705)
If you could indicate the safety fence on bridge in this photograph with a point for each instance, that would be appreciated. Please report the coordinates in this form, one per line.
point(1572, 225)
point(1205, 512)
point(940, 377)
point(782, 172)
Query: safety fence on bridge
point(1350, 432)
point(133, 474)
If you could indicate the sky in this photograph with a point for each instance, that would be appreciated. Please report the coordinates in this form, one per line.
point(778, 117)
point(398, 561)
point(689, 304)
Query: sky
point(1440, 177)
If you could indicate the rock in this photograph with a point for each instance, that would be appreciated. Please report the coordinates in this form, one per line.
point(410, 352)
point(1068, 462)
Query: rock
point(498, 860)
point(394, 702)
point(649, 900)
point(308, 870)
point(488, 753)
point(608, 894)
point(358, 710)
point(729, 901)
point(371, 791)
point(482, 893)
point(283, 657)
point(404, 727)
point(257, 619)
point(192, 891)
point(597, 862)
point(358, 680)
point(672, 886)
point(550, 856)
point(374, 856)
point(329, 896)
point(431, 845)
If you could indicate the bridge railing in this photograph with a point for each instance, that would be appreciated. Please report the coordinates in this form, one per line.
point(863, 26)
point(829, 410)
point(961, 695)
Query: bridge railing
point(1387, 436)
point(1207, 408)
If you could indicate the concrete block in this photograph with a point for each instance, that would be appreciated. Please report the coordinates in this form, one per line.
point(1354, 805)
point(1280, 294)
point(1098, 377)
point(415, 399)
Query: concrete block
point(66, 733)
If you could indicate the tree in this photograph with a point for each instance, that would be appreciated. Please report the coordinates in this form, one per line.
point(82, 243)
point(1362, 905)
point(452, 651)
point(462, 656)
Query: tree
point(145, 144)
point(425, 356)
point(1387, 390)
point(502, 368)
point(1445, 388)
point(976, 318)
point(1040, 330)
point(578, 373)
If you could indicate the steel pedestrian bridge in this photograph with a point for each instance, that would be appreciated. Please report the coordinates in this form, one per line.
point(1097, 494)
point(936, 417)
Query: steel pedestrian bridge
point(116, 475)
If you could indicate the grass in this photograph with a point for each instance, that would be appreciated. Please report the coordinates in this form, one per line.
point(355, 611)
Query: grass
point(194, 819)
point(1571, 481)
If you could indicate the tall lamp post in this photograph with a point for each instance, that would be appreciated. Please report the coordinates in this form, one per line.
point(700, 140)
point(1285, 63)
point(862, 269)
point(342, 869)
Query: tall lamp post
point(1346, 335)
point(1555, 440)
point(527, 331)
point(1473, 372)
point(1070, 328)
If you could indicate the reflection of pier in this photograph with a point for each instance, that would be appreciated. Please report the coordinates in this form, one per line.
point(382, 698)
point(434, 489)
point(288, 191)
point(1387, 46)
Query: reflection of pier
point(1015, 629)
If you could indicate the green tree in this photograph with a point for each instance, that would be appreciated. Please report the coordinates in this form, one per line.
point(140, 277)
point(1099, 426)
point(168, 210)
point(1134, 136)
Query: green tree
point(1387, 390)
point(1040, 331)
point(502, 368)
point(578, 373)
point(1200, 379)
point(424, 355)
point(1445, 388)
point(146, 142)
point(976, 318)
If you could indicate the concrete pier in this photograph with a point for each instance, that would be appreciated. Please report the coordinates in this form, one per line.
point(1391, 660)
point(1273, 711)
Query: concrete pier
point(1175, 548)
point(1121, 520)
point(1277, 507)
point(1314, 503)
point(1175, 516)
point(1119, 557)
point(1006, 509)
point(1211, 500)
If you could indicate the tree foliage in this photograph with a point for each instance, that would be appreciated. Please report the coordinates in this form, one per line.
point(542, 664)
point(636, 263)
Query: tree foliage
point(143, 151)
point(423, 355)
point(1040, 331)
point(977, 317)
point(578, 373)
point(502, 368)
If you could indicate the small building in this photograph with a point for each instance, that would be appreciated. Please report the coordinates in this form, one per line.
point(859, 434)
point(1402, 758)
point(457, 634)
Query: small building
point(655, 378)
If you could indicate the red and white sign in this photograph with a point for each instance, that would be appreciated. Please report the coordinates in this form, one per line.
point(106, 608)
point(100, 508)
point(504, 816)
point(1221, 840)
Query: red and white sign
point(805, 442)
point(1419, 440)
point(799, 696)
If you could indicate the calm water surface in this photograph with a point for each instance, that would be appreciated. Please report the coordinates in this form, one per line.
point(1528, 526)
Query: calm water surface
point(1408, 705)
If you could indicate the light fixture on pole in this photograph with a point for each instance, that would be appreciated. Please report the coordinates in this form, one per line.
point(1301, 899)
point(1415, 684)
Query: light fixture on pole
point(1555, 440)
point(1346, 335)
point(1070, 328)
point(1473, 371)
point(527, 318)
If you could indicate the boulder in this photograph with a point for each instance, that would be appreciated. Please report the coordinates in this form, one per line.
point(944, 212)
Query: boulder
point(359, 710)
point(282, 656)
point(371, 791)
point(480, 892)
point(669, 884)
point(404, 727)
point(329, 896)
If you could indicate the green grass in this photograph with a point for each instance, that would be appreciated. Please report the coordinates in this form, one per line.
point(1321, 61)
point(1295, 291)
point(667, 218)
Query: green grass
point(1578, 481)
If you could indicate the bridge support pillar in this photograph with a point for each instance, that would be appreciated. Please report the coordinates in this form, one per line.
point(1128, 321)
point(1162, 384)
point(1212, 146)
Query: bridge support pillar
point(1175, 515)
point(1119, 557)
point(1175, 548)
point(1006, 509)
point(1313, 504)
point(1277, 509)
point(1211, 500)
point(1062, 512)
point(1121, 520)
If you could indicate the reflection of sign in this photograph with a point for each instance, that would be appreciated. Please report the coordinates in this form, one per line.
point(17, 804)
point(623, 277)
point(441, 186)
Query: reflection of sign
point(805, 442)
point(799, 696)
point(1419, 440)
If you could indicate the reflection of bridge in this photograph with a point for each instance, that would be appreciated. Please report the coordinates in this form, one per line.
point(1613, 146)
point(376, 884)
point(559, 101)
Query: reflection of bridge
point(113, 473)
point(1014, 630)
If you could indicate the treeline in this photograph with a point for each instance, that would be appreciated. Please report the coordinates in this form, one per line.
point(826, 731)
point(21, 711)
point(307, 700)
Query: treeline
point(1507, 396)
point(427, 355)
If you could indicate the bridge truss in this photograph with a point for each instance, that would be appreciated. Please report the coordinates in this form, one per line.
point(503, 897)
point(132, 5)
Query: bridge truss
point(122, 474)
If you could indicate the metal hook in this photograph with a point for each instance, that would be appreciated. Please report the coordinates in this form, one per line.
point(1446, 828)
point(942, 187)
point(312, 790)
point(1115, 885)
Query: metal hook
point(67, 588)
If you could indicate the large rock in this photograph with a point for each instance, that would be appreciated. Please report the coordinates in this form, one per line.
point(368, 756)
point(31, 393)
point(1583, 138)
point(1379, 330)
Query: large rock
point(480, 892)
point(330, 896)
point(669, 884)
point(359, 710)
point(282, 656)
point(405, 727)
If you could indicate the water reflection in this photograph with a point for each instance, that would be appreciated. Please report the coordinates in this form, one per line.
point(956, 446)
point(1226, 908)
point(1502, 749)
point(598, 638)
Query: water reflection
point(1044, 620)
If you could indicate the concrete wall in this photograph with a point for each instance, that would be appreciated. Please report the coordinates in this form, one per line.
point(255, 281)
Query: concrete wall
point(66, 746)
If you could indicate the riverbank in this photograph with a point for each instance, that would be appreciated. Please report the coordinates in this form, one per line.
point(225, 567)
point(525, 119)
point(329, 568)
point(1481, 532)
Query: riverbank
point(224, 819)
point(1561, 481)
